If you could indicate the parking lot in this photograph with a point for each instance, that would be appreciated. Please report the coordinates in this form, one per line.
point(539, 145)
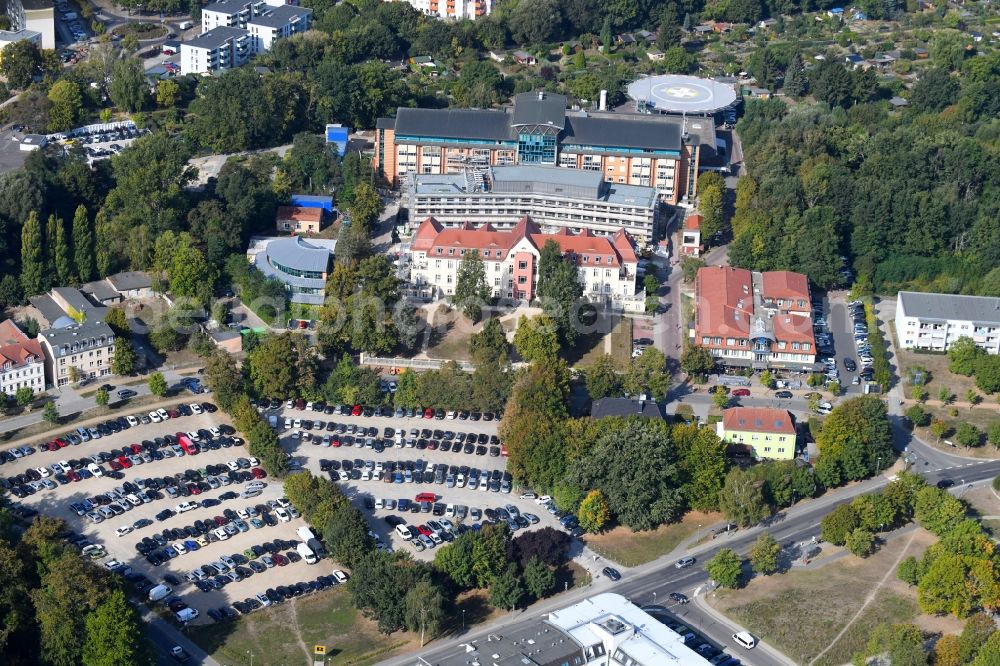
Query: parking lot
point(420, 451)
point(841, 336)
point(57, 502)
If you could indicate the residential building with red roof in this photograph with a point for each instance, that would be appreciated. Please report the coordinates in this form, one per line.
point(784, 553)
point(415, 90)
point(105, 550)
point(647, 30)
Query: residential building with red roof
point(22, 361)
point(691, 236)
point(756, 320)
point(768, 432)
point(299, 220)
point(607, 265)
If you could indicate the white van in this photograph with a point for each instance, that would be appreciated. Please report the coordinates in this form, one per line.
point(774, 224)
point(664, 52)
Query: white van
point(186, 615)
point(306, 552)
point(159, 592)
point(745, 639)
point(185, 25)
point(94, 469)
point(404, 532)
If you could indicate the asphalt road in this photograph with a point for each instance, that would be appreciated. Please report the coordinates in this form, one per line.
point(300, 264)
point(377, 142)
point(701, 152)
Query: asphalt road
point(651, 583)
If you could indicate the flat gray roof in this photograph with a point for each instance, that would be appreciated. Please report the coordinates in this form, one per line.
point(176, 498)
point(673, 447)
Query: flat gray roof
point(476, 124)
point(279, 16)
point(227, 6)
point(524, 644)
point(129, 280)
point(100, 290)
point(216, 37)
point(300, 254)
point(979, 309)
point(622, 131)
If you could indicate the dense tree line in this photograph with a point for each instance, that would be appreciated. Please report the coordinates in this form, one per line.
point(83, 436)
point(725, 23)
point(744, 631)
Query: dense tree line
point(908, 199)
point(60, 608)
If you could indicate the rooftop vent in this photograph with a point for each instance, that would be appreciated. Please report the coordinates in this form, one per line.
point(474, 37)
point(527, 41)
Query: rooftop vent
point(614, 626)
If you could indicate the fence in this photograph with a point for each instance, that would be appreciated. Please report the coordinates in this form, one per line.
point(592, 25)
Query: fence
point(415, 363)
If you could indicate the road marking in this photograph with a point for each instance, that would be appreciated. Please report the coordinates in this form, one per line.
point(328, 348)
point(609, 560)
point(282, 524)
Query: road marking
point(697, 590)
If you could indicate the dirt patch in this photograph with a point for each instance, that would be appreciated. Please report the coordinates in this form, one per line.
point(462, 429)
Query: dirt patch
point(803, 611)
point(633, 548)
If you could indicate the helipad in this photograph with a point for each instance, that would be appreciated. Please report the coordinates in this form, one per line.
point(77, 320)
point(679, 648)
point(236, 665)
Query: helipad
point(675, 93)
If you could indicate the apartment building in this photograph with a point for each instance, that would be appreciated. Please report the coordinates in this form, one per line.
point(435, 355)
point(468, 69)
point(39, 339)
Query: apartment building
point(553, 198)
point(218, 49)
point(453, 9)
point(22, 361)
point(935, 321)
point(756, 320)
point(89, 347)
point(34, 16)
point(277, 23)
point(654, 151)
point(607, 266)
point(230, 13)
point(8, 37)
point(768, 434)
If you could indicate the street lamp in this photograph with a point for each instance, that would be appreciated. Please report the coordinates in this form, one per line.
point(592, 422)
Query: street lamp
point(654, 598)
point(463, 618)
point(250, 652)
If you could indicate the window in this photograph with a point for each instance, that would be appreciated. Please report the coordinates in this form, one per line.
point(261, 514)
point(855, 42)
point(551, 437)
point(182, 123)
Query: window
point(522, 265)
point(521, 279)
point(486, 253)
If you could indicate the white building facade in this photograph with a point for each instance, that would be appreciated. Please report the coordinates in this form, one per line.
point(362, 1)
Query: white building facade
point(22, 361)
point(230, 13)
point(936, 321)
point(35, 16)
point(606, 266)
point(452, 9)
point(277, 23)
point(218, 49)
point(89, 347)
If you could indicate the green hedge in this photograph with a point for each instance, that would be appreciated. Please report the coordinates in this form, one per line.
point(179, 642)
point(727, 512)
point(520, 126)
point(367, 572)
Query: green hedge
point(880, 366)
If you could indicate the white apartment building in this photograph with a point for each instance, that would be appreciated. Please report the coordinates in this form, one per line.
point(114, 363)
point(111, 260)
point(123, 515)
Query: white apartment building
point(230, 13)
point(935, 321)
point(607, 266)
point(89, 347)
point(218, 49)
point(277, 23)
point(35, 16)
point(553, 198)
point(22, 360)
point(8, 37)
point(452, 9)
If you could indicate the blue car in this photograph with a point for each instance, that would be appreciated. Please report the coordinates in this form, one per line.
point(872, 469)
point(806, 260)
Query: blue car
point(170, 552)
point(397, 477)
point(191, 545)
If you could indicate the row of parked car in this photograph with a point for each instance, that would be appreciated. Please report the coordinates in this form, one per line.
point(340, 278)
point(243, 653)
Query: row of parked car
point(382, 411)
point(276, 595)
point(418, 471)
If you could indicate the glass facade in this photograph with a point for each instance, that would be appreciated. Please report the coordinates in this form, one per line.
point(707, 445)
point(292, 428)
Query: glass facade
point(536, 148)
point(312, 275)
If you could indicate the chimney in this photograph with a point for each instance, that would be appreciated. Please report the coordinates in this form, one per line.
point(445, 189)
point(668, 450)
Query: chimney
point(603, 105)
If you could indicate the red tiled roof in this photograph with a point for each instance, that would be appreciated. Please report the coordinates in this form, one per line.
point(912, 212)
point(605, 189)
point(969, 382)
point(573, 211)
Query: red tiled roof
point(785, 284)
point(590, 250)
point(693, 223)
point(725, 301)
point(758, 419)
point(300, 214)
point(792, 328)
point(15, 346)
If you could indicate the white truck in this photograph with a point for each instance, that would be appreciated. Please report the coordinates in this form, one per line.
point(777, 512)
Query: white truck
point(159, 592)
point(307, 553)
point(305, 533)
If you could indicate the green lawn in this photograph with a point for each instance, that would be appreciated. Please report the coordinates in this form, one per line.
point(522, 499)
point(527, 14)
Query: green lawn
point(633, 548)
point(286, 634)
point(802, 611)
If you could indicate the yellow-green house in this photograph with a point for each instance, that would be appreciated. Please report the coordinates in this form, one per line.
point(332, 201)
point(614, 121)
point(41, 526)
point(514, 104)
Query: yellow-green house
point(769, 432)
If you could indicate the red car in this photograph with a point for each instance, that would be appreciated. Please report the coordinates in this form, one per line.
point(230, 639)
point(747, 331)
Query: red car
point(173, 413)
point(300, 404)
point(220, 521)
point(423, 529)
point(61, 443)
point(356, 410)
point(279, 559)
point(741, 392)
point(335, 442)
point(124, 462)
point(258, 473)
point(73, 476)
point(194, 489)
point(115, 465)
point(50, 446)
point(136, 449)
point(428, 413)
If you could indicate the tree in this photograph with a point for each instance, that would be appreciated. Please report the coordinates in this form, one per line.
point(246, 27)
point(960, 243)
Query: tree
point(365, 208)
point(704, 464)
point(10, 291)
point(742, 498)
point(101, 397)
point(990, 652)
point(33, 279)
point(909, 571)
point(128, 85)
point(83, 244)
point(838, 525)
point(24, 396)
point(855, 442)
point(934, 90)
point(106, 625)
point(720, 399)
point(725, 568)
point(455, 560)
point(539, 579)
point(534, 22)
point(594, 512)
point(968, 435)
point(602, 378)
point(697, 361)
point(993, 434)
point(471, 290)
point(963, 355)
point(902, 644)
point(939, 428)
point(61, 259)
point(124, 359)
point(536, 340)
point(917, 416)
point(647, 374)
point(50, 414)
point(988, 373)
point(167, 93)
point(795, 83)
point(506, 590)
point(710, 191)
point(976, 632)
point(547, 544)
point(20, 62)
point(67, 103)
point(860, 542)
point(764, 555)
point(157, 384)
point(946, 651)
point(424, 606)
